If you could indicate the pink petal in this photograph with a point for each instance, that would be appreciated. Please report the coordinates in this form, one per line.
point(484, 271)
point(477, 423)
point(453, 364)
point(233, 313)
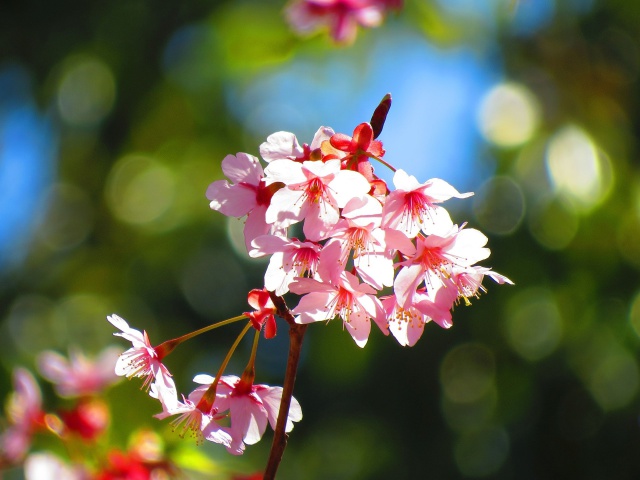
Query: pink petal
point(231, 200)
point(242, 168)
point(281, 146)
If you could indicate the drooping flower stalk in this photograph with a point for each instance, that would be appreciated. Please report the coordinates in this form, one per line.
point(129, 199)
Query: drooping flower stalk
point(206, 402)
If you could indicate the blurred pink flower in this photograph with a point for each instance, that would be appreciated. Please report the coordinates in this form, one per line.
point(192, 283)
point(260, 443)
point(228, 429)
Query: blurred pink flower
point(341, 17)
point(47, 466)
point(79, 375)
point(25, 416)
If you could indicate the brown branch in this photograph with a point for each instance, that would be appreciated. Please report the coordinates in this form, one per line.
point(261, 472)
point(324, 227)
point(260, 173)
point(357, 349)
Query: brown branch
point(296, 335)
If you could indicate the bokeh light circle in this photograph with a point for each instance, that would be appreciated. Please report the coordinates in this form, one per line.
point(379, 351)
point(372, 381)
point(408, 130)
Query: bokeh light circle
point(508, 115)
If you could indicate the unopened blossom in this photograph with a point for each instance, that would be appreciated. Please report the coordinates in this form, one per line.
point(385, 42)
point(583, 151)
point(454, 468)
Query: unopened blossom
point(263, 315)
point(357, 150)
point(250, 407)
point(434, 258)
point(78, 375)
point(290, 258)
point(247, 195)
point(314, 191)
point(285, 146)
point(341, 17)
point(142, 360)
point(354, 302)
point(413, 206)
point(25, 416)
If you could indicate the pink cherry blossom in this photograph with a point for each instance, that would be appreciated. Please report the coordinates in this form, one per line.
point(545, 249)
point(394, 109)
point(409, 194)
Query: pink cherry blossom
point(468, 280)
point(290, 258)
point(358, 232)
point(142, 360)
point(285, 146)
point(250, 407)
point(192, 420)
point(405, 324)
point(413, 206)
point(347, 298)
point(313, 192)
point(437, 255)
point(247, 195)
point(342, 17)
point(263, 313)
point(25, 416)
point(79, 375)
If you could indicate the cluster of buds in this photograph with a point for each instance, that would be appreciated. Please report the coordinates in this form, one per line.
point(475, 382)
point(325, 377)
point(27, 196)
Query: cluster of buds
point(340, 17)
point(368, 253)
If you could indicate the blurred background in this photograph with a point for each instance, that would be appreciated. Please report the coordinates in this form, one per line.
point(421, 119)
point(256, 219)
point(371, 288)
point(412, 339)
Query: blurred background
point(115, 116)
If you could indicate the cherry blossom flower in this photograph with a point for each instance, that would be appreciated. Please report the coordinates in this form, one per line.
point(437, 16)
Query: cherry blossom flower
point(264, 312)
point(201, 423)
point(437, 255)
point(358, 231)
point(25, 415)
point(406, 323)
point(468, 281)
point(79, 375)
point(248, 195)
point(143, 361)
point(285, 146)
point(290, 258)
point(313, 192)
point(347, 298)
point(250, 407)
point(413, 206)
point(342, 17)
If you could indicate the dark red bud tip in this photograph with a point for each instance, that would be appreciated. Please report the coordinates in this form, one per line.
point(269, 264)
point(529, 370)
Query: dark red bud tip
point(380, 115)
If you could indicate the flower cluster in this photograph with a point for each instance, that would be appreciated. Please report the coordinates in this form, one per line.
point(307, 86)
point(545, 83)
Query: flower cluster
point(369, 253)
point(226, 409)
point(340, 17)
point(342, 240)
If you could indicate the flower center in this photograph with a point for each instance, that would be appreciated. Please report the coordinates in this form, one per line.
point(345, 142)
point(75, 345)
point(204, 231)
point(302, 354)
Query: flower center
point(306, 260)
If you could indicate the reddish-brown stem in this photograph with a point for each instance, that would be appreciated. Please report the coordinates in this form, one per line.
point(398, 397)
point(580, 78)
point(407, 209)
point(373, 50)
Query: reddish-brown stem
point(296, 335)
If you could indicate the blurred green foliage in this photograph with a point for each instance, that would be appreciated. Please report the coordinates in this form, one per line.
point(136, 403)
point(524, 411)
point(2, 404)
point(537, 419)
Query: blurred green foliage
point(540, 380)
